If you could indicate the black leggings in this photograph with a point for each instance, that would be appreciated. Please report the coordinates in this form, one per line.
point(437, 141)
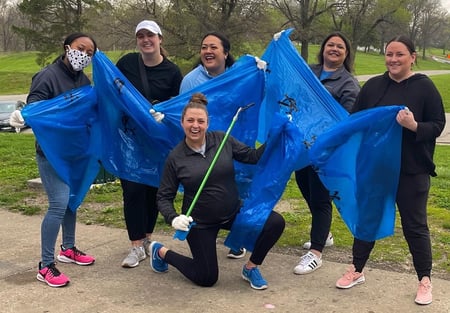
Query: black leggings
point(318, 199)
point(202, 268)
point(139, 209)
point(412, 196)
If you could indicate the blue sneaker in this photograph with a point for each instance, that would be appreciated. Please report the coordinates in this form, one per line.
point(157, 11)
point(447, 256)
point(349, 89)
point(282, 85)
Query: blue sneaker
point(157, 264)
point(254, 277)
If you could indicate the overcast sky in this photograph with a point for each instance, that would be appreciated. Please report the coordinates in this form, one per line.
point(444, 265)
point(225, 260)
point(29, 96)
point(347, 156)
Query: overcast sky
point(446, 4)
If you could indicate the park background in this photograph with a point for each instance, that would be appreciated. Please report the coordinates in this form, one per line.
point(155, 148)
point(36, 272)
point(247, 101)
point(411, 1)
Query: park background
point(31, 39)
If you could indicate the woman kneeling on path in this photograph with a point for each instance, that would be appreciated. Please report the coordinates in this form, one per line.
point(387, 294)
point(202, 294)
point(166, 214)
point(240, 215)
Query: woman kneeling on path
point(217, 205)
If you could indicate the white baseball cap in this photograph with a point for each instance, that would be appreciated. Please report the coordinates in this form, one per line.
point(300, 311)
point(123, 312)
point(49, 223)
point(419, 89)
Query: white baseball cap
point(150, 26)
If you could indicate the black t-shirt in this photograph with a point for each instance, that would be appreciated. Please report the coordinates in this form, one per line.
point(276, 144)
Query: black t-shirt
point(164, 79)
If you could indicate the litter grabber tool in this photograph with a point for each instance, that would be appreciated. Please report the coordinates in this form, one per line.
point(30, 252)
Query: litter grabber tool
point(181, 234)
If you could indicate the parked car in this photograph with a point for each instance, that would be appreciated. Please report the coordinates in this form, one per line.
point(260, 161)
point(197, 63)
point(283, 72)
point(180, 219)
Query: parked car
point(6, 108)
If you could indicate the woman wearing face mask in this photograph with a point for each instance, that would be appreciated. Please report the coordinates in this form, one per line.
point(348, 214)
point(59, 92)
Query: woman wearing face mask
point(64, 74)
point(215, 59)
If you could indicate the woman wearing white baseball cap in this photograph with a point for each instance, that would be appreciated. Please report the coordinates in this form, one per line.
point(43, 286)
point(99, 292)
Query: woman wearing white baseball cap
point(158, 79)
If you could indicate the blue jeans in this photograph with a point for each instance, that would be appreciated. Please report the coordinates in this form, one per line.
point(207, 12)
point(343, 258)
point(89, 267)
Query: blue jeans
point(58, 214)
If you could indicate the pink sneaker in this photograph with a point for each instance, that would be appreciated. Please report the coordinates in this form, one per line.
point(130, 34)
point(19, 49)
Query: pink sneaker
point(424, 295)
point(73, 255)
point(52, 276)
point(350, 278)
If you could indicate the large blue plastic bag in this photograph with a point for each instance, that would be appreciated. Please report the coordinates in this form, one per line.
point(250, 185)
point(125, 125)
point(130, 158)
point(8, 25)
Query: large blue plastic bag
point(136, 146)
point(67, 129)
point(293, 88)
point(273, 172)
point(358, 161)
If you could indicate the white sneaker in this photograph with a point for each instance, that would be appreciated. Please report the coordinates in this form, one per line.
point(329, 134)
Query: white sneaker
point(328, 243)
point(308, 264)
point(133, 258)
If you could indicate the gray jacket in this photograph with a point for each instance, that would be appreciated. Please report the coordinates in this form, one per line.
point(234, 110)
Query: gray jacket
point(342, 85)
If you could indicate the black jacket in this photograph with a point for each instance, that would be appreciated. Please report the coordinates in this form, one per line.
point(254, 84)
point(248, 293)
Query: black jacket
point(219, 200)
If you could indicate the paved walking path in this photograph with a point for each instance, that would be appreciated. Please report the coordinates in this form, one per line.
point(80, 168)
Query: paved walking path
point(106, 287)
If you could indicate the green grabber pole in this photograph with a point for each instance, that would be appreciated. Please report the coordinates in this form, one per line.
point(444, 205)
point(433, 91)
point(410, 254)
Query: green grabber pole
point(181, 234)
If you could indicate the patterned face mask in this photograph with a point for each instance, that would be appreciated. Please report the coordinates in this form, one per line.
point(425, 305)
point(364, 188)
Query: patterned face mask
point(78, 59)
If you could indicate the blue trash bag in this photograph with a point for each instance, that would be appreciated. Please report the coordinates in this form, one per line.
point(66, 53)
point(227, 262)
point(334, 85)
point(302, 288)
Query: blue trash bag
point(67, 129)
point(358, 161)
point(137, 146)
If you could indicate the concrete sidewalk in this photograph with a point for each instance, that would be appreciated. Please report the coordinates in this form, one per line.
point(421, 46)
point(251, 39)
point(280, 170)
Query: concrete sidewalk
point(106, 287)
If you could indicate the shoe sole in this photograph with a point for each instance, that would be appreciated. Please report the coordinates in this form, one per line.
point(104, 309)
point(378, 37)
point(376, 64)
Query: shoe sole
point(423, 303)
point(65, 259)
point(359, 281)
point(297, 272)
point(126, 265)
point(42, 279)
point(236, 256)
point(253, 286)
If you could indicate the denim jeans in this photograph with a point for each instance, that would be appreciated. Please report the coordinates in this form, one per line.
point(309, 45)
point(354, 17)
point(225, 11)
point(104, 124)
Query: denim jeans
point(58, 214)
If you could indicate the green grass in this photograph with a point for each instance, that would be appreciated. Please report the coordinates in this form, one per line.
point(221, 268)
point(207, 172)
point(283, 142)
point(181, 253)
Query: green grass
point(103, 206)
point(17, 69)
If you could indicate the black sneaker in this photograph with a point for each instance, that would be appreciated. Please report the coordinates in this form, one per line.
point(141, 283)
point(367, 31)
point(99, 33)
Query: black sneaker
point(236, 254)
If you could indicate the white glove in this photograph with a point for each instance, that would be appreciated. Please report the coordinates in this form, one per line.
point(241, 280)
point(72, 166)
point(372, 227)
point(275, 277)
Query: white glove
point(181, 222)
point(16, 120)
point(277, 35)
point(158, 116)
point(261, 64)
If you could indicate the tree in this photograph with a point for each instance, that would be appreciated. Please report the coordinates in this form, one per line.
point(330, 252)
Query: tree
point(301, 14)
point(52, 20)
point(240, 20)
point(432, 19)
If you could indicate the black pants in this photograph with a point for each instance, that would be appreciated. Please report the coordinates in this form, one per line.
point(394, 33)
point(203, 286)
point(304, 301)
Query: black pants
point(202, 268)
point(139, 208)
point(412, 197)
point(318, 199)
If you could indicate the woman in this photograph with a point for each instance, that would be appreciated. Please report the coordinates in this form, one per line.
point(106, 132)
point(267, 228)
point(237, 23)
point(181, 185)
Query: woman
point(215, 59)
point(423, 121)
point(158, 79)
point(334, 70)
point(64, 74)
point(217, 205)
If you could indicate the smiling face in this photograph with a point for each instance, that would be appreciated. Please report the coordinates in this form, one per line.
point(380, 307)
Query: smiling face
point(399, 60)
point(334, 53)
point(195, 124)
point(212, 55)
point(148, 42)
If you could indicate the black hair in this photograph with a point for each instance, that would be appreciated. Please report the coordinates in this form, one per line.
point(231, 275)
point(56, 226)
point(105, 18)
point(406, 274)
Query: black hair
point(349, 58)
point(72, 37)
point(406, 41)
point(226, 47)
